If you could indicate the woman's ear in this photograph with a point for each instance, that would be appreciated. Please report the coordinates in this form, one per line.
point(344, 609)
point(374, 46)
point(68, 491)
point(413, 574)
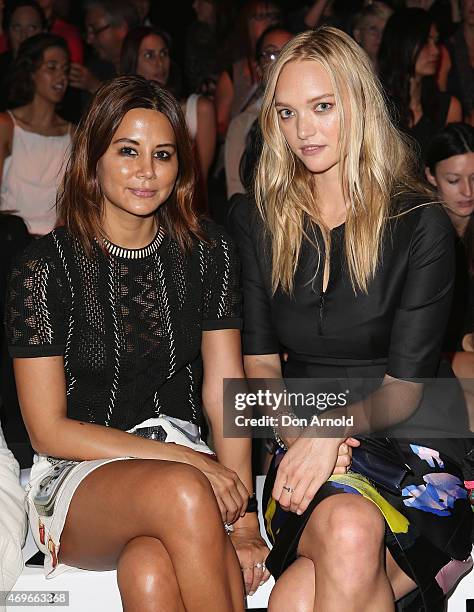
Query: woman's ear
point(430, 178)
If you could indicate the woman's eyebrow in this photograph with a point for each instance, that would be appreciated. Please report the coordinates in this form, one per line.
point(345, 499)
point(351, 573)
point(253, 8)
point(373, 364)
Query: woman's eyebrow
point(136, 143)
point(310, 101)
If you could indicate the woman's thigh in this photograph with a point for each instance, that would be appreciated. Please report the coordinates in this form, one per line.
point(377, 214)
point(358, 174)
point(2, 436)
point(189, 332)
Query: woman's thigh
point(123, 500)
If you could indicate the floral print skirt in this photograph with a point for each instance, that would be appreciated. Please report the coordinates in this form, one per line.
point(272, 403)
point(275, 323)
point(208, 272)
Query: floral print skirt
point(428, 526)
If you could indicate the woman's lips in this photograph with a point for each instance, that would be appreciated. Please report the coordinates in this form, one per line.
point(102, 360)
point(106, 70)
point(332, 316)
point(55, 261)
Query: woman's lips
point(143, 193)
point(312, 149)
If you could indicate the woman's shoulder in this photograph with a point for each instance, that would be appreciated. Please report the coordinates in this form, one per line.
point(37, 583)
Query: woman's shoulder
point(419, 213)
point(47, 248)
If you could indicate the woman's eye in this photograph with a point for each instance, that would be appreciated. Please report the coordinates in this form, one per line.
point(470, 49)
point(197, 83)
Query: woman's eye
point(324, 106)
point(285, 113)
point(128, 151)
point(453, 182)
point(149, 55)
point(163, 155)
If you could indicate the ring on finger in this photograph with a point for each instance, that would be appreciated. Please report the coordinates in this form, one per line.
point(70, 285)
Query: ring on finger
point(260, 565)
point(289, 489)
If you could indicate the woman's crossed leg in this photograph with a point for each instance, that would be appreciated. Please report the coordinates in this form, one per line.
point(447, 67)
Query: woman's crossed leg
point(159, 524)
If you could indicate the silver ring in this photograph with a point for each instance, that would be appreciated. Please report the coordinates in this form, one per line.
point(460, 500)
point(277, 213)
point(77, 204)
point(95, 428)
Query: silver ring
point(288, 489)
point(260, 565)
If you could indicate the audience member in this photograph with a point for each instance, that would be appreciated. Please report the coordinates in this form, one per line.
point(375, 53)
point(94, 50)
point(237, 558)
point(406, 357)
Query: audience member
point(24, 19)
point(238, 82)
point(34, 138)
point(107, 23)
point(408, 61)
point(146, 52)
point(269, 45)
point(116, 359)
point(142, 8)
point(59, 26)
point(460, 81)
point(3, 37)
point(205, 44)
point(368, 28)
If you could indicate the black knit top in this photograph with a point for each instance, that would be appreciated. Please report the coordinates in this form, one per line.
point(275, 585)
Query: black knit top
point(128, 322)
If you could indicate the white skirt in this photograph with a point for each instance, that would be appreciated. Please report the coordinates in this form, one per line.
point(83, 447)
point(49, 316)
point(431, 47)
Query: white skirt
point(53, 483)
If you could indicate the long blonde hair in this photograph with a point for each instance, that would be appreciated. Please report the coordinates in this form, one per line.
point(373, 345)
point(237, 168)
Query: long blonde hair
point(376, 165)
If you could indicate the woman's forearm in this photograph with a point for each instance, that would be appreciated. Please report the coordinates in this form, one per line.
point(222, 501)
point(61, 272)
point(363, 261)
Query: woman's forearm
point(77, 440)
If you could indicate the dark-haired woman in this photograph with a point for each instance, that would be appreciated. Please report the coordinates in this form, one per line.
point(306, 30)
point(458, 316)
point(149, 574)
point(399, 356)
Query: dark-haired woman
point(408, 61)
point(34, 139)
point(450, 168)
point(146, 52)
point(126, 321)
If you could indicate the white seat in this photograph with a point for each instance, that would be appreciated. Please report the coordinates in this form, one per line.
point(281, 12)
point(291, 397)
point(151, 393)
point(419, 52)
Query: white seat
point(98, 591)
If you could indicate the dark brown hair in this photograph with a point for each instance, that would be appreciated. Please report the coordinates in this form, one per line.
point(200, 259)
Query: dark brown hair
point(80, 198)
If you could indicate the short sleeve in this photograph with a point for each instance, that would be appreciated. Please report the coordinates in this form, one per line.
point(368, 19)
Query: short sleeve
point(259, 337)
point(423, 311)
point(220, 269)
point(35, 309)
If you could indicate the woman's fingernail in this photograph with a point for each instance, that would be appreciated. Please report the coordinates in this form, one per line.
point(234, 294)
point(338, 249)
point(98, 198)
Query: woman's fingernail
point(299, 512)
point(262, 583)
point(251, 593)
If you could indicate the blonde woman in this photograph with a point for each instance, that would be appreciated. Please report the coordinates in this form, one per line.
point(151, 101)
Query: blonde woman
point(348, 267)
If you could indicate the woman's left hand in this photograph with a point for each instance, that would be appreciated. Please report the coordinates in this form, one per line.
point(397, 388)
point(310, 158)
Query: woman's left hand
point(306, 466)
point(252, 551)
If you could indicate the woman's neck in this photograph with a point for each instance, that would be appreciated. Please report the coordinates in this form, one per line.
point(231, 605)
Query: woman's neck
point(331, 201)
point(459, 223)
point(39, 114)
point(128, 231)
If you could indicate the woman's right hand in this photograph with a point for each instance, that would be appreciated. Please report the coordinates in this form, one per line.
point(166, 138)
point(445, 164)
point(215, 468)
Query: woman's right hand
point(231, 494)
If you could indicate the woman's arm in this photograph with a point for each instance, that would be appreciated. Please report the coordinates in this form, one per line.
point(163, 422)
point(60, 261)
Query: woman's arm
point(222, 359)
point(206, 135)
point(223, 98)
point(315, 12)
point(6, 137)
point(454, 111)
point(41, 388)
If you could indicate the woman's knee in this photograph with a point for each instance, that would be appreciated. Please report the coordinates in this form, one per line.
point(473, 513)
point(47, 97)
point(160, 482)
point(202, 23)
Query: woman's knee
point(351, 528)
point(181, 488)
point(144, 569)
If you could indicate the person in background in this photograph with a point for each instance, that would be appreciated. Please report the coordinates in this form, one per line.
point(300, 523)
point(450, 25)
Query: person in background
point(147, 52)
point(142, 7)
point(238, 82)
point(119, 358)
point(450, 169)
point(206, 45)
point(368, 28)
point(56, 25)
point(408, 61)
point(3, 38)
point(268, 47)
point(23, 19)
point(107, 23)
point(34, 139)
point(460, 81)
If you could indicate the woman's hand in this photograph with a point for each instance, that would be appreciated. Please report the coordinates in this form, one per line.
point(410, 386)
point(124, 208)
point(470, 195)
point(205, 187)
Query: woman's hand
point(252, 551)
point(344, 455)
point(307, 465)
point(230, 492)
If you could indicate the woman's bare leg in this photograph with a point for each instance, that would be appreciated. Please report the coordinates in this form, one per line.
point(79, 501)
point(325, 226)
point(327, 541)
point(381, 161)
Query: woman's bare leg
point(295, 590)
point(146, 577)
point(344, 538)
point(170, 502)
